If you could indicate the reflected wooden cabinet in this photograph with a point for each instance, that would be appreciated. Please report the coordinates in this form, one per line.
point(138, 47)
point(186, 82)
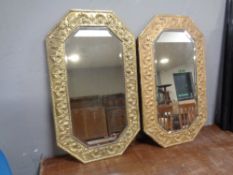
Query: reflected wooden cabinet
point(85, 118)
point(116, 119)
point(106, 113)
point(115, 112)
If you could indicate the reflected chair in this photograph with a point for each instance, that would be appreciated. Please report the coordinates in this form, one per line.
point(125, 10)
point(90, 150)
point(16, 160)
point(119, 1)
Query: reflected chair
point(164, 94)
point(165, 116)
point(187, 113)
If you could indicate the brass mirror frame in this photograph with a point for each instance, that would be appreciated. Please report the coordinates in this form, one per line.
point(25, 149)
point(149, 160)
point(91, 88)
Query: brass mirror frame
point(55, 43)
point(147, 70)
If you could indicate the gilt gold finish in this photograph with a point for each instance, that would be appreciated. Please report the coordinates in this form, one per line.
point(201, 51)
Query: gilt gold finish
point(59, 90)
point(148, 83)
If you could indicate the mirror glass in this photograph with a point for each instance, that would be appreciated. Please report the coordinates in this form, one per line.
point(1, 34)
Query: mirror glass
point(174, 60)
point(95, 71)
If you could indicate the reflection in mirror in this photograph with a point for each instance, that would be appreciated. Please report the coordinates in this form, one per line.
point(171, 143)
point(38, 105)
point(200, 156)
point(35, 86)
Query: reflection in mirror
point(94, 60)
point(175, 79)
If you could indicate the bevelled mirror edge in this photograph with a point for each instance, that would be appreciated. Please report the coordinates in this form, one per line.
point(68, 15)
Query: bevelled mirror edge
point(147, 70)
point(59, 90)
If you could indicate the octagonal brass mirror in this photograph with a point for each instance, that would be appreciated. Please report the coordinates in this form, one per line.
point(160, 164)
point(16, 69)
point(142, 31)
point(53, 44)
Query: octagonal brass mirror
point(173, 80)
point(93, 76)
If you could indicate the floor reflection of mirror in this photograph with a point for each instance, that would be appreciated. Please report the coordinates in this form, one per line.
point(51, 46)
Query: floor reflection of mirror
point(98, 119)
point(177, 115)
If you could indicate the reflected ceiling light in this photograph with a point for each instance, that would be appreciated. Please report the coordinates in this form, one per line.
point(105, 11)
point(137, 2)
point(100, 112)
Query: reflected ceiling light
point(174, 37)
point(93, 33)
point(73, 58)
point(164, 60)
point(120, 55)
point(156, 61)
point(194, 57)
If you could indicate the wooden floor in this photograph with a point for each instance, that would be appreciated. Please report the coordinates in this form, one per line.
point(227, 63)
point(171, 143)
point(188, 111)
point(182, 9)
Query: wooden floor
point(211, 153)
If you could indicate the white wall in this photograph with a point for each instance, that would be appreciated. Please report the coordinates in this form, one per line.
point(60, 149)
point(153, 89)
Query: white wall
point(96, 81)
point(26, 124)
point(166, 77)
